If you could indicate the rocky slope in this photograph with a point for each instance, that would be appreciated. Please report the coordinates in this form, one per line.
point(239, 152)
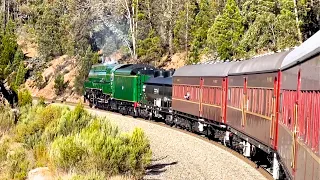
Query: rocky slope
point(65, 65)
point(68, 66)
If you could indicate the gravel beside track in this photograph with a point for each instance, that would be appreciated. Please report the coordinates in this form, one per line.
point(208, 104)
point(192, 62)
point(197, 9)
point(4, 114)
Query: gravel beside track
point(177, 155)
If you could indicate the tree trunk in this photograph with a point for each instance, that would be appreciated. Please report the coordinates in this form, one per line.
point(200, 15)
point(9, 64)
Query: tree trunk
point(149, 14)
point(133, 32)
point(187, 28)
point(4, 11)
point(136, 20)
point(132, 28)
point(170, 38)
point(163, 22)
point(297, 20)
point(8, 10)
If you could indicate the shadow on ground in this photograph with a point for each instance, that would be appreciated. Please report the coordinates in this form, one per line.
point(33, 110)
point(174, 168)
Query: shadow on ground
point(158, 168)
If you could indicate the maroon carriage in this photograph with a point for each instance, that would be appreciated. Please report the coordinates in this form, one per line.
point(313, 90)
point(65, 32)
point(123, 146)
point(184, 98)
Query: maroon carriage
point(199, 94)
point(299, 124)
point(271, 101)
point(253, 99)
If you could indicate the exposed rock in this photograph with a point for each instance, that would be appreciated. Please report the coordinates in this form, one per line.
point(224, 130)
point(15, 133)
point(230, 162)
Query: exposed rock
point(42, 173)
point(177, 60)
point(65, 65)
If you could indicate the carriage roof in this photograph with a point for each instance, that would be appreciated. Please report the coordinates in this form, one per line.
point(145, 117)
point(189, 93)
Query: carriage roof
point(304, 52)
point(262, 64)
point(205, 70)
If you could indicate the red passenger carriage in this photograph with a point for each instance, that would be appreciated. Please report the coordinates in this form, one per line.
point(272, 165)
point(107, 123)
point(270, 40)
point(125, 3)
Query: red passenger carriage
point(253, 98)
point(200, 93)
point(299, 124)
point(271, 102)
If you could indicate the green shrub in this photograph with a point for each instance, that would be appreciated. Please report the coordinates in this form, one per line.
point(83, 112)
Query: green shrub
point(59, 84)
point(27, 113)
point(6, 119)
point(16, 70)
point(20, 77)
point(24, 98)
point(75, 140)
point(150, 48)
point(84, 67)
point(18, 164)
point(41, 101)
point(70, 122)
point(66, 152)
point(140, 154)
point(33, 122)
point(99, 146)
point(114, 153)
point(9, 45)
point(52, 129)
point(39, 81)
point(100, 138)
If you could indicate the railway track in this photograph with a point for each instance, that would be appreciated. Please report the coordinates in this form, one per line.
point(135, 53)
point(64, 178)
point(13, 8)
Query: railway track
point(261, 170)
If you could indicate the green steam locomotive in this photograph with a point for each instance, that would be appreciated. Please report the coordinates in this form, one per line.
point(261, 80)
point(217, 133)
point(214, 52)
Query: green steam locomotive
point(118, 87)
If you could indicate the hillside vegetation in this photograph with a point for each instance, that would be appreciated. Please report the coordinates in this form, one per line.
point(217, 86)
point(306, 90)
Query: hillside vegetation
point(68, 141)
point(158, 32)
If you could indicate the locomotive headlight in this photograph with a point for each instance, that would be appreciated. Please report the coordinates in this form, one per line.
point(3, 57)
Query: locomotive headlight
point(165, 99)
point(144, 88)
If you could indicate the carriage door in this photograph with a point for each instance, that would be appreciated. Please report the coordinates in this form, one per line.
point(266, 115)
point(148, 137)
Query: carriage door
point(224, 100)
point(295, 123)
point(244, 104)
point(200, 97)
point(274, 111)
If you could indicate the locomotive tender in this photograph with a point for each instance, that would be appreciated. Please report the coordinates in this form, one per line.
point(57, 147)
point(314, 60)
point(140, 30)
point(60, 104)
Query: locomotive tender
point(270, 105)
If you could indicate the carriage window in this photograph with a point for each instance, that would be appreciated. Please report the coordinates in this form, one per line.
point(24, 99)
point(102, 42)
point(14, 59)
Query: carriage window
point(156, 90)
point(229, 94)
point(281, 101)
point(289, 121)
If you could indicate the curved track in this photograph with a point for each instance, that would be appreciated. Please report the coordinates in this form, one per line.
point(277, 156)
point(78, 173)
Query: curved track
point(178, 154)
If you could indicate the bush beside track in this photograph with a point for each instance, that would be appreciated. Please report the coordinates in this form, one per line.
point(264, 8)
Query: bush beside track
point(248, 161)
point(68, 140)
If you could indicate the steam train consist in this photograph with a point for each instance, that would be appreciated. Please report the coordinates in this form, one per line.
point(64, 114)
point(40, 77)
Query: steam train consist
point(267, 107)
